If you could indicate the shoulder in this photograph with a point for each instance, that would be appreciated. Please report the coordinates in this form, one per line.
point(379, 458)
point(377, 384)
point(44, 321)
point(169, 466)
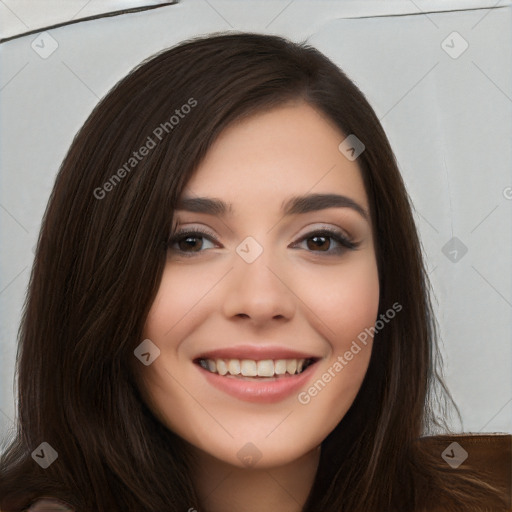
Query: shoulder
point(489, 455)
point(48, 505)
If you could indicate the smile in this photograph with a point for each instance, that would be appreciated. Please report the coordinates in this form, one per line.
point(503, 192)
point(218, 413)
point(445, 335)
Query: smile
point(250, 368)
point(265, 381)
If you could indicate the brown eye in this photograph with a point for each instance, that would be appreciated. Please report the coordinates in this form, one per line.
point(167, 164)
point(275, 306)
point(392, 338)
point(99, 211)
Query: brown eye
point(326, 241)
point(321, 243)
point(190, 244)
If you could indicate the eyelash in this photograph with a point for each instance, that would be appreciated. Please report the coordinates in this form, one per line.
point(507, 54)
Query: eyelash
point(343, 241)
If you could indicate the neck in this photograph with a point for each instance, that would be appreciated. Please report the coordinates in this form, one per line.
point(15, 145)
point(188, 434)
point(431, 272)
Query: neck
point(225, 488)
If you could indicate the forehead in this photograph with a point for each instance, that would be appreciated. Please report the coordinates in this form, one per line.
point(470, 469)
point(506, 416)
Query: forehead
point(286, 151)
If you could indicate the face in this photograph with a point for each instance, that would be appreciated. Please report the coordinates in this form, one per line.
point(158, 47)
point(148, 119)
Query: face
point(271, 267)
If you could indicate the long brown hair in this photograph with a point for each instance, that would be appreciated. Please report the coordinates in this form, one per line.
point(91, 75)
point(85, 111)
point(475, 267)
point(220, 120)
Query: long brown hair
point(100, 257)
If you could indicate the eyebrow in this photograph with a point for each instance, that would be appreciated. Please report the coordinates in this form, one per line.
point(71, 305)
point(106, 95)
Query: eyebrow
point(294, 205)
point(314, 202)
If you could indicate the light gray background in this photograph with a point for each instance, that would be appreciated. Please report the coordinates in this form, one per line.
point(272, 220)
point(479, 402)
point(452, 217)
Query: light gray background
point(448, 119)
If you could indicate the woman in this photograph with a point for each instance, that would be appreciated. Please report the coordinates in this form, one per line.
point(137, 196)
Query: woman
point(228, 309)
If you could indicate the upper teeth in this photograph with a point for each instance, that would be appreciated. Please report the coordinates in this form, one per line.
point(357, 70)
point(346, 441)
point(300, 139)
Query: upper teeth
point(251, 368)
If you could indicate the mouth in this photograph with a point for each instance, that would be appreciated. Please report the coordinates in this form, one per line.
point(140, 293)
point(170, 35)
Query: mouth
point(267, 370)
point(265, 381)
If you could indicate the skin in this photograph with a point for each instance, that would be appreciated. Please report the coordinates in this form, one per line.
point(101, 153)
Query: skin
point(294, 295)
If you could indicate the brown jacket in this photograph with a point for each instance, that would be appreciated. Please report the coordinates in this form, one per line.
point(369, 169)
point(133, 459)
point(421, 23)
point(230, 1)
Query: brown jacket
point(490, 453)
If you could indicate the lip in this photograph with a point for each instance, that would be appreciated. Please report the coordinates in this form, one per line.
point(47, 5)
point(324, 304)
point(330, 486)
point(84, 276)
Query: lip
point(259, 392)
point(256, 353)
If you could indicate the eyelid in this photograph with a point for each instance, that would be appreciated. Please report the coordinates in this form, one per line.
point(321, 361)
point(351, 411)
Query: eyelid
point(329, 228)
point(202, 232)
point(177, 232)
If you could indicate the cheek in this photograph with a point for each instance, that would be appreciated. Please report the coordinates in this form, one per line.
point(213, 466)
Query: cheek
point(343, 301)
point(180, 301)
point(173, 315)
point(343, 308)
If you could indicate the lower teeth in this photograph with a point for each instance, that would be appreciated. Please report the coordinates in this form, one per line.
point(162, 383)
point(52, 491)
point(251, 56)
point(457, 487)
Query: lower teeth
point(274, 377)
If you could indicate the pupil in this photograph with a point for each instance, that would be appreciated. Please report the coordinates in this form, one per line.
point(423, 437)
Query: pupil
point(190, 242)
point(319, 242)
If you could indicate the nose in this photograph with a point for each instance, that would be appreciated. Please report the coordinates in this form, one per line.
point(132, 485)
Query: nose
point(259, 292)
